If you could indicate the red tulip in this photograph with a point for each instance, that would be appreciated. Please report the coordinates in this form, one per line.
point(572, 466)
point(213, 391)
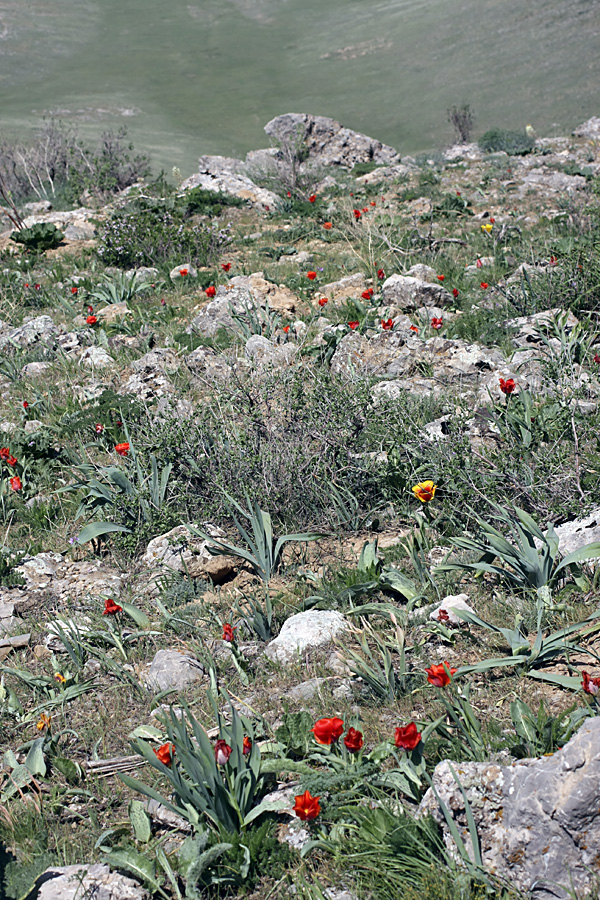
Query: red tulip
point(122, 449)
point(357, 214)
point(226, 266)
point(183, 272)
point(380, 274)
point(365, 209)
point(436, 324)
point(26, 284)
point(222, 752)
point(479, 264)
point(366, 295)
point(553, 260)
point(353, 325)
point(306, 807)
point(11, 461)
point(492, 220)
point(246, 745)
point(165, 754)
point(440, 675)
point(286, 329)
point(4, 452)
point(407, 737)
point(91, 320)
point(597, 359)
point(312, 198)
point(111, 608)
point(323, 301)
point(228, 634)
point(353, 740)
point(25, 404)
point(15, 483)
point(455, 292)
point(328, 226)
point(484, 285)
point(90, 310)
point(98, 428)
point(210, 291)
point(441, 277)
point(74, 290)
point(508, 386)
point(311, 275)
point(414, 328)
point(443, 616)
point(590, 685)
point(327, 731)
point(387, 324)
point(38, 287)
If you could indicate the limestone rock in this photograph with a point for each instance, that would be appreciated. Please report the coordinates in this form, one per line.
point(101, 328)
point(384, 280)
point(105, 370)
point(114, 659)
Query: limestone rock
point(183, 272)
point(230, 181)
point(96, 358)
point(172, 669)
point(576, 534)
point(112, 312)
point(448, 605)
point(305, 631)
point(77, 882)
point(328, 142)
point(409, 293)
point(263, 292)
point(217, 313)
point(589, 129)
point(207, 364)
point(181, 551)
point(538, 820)
point(265, 354)
point(40, 329)
point(349, 286)
point(161, 359)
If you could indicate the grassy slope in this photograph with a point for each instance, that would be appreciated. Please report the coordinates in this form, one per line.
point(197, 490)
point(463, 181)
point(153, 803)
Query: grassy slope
point(207, 76)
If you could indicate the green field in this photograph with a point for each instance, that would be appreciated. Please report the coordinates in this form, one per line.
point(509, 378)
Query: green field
point(204, 76)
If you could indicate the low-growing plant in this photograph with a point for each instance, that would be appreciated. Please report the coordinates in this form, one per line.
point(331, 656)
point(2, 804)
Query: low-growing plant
point(40, 237)
point(530, 561)
point(121, 288)
point(262, 551)
point(223, 782)
point(515, 143)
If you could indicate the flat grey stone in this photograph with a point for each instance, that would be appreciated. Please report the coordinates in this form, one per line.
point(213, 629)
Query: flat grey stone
point(171, 669)
point(305, 631)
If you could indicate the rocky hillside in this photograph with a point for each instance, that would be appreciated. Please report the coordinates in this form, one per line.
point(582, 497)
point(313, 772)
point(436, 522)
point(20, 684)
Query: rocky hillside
point(300, 512)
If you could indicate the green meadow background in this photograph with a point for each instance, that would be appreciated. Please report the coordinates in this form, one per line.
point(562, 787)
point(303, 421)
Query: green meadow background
point(203, 76)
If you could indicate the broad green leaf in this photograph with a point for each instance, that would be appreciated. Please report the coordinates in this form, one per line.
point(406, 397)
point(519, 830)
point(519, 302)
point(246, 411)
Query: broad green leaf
point(571, 682)
point(19, 778)
point(140, 821)
point(590, 551)
point(140, 618)
point(272, 805)
point(136, 863)
point(35, 761)
point(97, 529)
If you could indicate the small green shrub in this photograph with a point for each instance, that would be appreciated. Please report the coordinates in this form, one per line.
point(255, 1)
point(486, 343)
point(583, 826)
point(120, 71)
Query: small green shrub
point(40, 237)
point(154, 233)
point(515, 143)
point(203, 202)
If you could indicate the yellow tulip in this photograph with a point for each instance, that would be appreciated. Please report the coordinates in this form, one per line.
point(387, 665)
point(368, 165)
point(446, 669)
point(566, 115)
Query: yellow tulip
point(425, 491)
point(488, 227)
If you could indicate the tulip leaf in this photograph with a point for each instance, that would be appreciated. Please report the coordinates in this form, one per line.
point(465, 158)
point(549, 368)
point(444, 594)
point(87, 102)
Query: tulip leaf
point(97, 529)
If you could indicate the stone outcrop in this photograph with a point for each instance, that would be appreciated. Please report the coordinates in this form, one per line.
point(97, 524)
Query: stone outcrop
point(327, 142)
point(538, 821)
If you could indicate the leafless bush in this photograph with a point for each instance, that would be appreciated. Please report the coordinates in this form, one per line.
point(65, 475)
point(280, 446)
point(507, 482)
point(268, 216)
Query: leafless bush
point(462, 120)
point(58, 164)
point(288, 171)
